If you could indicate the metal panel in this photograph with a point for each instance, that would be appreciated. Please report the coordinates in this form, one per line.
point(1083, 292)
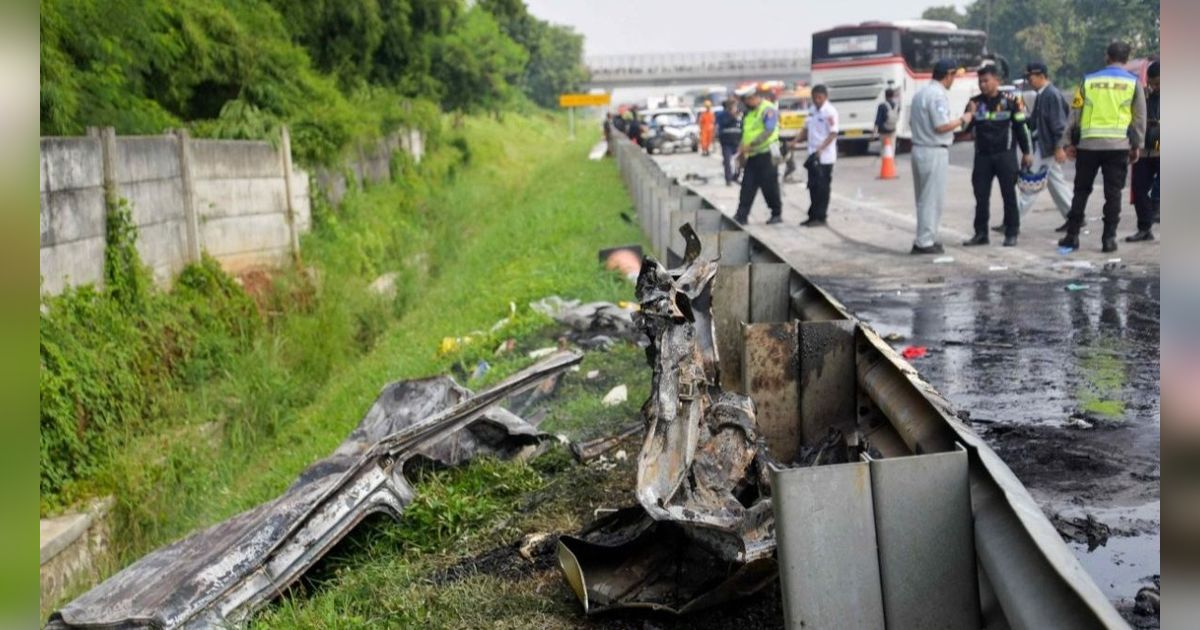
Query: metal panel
point(827, 556)
point(735, 247)
point(731, 307)
point(690, 202)
point(710, 246)
point(708, 221)
point(769, 297)
point(769, 373)
point(926, 541)
point(827, 379)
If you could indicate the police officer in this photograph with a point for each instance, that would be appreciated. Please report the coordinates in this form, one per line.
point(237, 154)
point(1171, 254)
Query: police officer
point(1145, 170)
point(998, 122)
point(1105, 134)
point(760, 138)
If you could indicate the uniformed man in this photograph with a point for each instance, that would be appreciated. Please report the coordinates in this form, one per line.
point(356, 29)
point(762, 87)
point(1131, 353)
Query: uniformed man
point(999, 122)
point(1105, 135)
point(820, 132)
point(760, 135)
point(932, 134)
point(1145, 171)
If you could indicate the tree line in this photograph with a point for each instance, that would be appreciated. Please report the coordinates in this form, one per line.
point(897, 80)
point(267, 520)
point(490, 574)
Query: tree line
point(1069, 36)
point(334, 70)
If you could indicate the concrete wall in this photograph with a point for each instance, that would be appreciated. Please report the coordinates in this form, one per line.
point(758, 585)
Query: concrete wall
point(369, 164)
point(233, 190)
point(72, 212)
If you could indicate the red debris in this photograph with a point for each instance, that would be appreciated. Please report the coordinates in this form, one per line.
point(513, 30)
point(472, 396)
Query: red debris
point(913, 352)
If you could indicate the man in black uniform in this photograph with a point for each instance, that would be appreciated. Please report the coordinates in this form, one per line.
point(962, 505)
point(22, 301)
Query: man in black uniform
point(998, 121)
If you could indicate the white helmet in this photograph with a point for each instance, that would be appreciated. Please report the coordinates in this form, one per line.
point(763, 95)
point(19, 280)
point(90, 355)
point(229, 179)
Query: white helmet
point(1032, 181)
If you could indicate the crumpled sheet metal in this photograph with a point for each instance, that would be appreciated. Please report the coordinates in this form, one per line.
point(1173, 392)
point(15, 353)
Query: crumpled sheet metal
point(703, 532)
point(218, 576)
point(700, 464)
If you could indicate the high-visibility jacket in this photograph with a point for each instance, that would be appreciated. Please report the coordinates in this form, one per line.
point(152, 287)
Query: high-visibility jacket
point(1107, 104)
point(753, 126)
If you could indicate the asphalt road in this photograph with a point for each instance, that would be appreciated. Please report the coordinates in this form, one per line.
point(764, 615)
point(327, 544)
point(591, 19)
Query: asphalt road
point(1055, 357)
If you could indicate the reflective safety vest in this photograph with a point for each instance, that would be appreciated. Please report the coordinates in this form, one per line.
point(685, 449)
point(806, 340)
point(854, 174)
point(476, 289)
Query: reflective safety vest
point(753, 126)
point(1107, 103)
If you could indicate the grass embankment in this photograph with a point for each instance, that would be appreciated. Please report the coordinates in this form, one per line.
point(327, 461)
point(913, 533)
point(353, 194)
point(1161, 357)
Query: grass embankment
point(504, 213)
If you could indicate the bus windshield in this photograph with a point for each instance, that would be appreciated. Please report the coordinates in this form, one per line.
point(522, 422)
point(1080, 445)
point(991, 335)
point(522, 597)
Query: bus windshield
point(855, 43)
point(921, 49)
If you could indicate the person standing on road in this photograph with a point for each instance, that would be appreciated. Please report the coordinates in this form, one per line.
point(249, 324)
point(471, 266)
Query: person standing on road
point(887, 115)
point(998, 122)
point(1105, 135)
point(1145, 171)
point(729, 134)
point(932, 134)
point(760, 132)
point(820, 132)
point(708, 121)
point(633, 128)
point(1048, 120)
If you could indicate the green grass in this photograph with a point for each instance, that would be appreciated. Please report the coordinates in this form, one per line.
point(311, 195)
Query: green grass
point(504, 214)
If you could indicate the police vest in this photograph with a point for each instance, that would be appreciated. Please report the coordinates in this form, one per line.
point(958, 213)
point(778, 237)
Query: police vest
point(1107, 104)
point(753, 126)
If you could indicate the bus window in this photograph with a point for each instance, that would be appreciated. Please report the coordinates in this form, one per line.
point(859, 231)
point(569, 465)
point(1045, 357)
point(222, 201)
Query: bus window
point(921, 49)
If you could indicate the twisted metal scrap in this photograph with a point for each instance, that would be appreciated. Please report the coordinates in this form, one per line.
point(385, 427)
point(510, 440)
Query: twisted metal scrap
point(700, 463)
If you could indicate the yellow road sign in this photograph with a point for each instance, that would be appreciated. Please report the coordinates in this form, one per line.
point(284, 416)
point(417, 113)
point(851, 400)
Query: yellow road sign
point(584, 100)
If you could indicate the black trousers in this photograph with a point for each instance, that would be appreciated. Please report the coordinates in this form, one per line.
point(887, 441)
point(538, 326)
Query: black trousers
point(1113, 166)
point(1145, 203)
point(820, 181)
point(729, 161)
point(1002, 167)
point(760, 173)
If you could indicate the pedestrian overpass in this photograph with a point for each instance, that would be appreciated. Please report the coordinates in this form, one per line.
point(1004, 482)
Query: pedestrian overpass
point(724, 67)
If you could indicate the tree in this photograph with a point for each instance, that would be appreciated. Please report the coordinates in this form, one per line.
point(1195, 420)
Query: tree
point(477, 63)
point(948, 13)
point(555, 62)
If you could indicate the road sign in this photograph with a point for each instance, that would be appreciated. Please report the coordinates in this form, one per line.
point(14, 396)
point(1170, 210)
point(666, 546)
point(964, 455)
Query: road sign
point(584, 100)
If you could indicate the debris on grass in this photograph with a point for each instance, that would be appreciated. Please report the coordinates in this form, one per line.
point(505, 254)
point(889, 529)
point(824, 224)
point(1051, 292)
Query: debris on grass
point(615, 396)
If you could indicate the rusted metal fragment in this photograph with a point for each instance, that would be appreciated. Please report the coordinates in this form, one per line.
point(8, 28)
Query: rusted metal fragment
point(730, 307)
point(218, 576)
point(770, 370)
point(769, 295)
point(591, 449)
point(828, 395)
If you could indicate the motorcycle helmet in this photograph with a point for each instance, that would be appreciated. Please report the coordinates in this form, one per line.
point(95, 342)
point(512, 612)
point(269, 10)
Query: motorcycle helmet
point(1032, 181)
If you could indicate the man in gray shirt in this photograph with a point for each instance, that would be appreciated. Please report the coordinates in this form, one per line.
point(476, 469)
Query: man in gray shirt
point(1048, 120)
point(932, 134)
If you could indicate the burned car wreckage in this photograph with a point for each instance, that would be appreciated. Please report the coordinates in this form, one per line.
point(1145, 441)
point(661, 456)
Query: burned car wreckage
point(782, 440)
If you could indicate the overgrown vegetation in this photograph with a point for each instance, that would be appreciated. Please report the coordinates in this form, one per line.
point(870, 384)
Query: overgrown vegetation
point(209, 400)
point(336, 71)
point(1069, 36)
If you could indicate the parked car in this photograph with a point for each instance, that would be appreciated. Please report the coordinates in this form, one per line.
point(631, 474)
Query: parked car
point(670, 129)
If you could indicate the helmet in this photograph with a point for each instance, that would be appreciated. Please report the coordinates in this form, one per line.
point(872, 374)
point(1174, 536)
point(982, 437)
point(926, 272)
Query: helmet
point(1032, 181)
point(745, 91)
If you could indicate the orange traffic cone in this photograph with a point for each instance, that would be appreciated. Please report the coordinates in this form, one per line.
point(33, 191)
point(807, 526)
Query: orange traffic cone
point(887, 167)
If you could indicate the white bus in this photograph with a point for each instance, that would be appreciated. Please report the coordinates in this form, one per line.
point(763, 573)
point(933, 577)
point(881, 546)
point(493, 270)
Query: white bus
point(858, 63)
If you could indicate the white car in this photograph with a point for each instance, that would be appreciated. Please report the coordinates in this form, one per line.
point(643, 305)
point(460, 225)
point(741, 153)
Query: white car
point(669, 129)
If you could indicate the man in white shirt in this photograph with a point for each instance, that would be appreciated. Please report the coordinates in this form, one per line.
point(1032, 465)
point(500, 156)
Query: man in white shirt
point(820, 131)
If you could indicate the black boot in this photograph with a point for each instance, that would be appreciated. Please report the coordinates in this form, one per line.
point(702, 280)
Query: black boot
point(1108, 245)
point(741, 220)
point(1010, 241)
point(775, 218)
point(1063, 227)
point(999, 229)
point(1070, 240)
point(1139, 236)
point(978, 239)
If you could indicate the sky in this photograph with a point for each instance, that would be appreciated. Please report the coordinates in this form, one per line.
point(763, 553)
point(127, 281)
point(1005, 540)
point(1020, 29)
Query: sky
point(613, 27)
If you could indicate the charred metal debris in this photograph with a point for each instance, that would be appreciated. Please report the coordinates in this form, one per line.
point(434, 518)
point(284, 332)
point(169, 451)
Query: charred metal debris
point(219, 576)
